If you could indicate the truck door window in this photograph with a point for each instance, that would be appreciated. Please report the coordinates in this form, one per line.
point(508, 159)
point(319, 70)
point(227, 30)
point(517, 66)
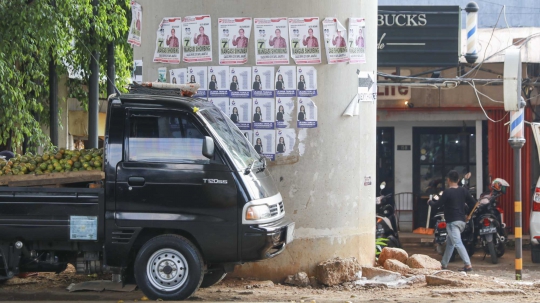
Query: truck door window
point(165, 138)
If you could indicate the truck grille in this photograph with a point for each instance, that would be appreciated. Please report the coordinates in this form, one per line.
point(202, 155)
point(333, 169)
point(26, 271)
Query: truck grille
point(276, 209)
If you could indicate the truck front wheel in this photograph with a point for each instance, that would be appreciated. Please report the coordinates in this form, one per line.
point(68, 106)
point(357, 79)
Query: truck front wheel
point(168, 267)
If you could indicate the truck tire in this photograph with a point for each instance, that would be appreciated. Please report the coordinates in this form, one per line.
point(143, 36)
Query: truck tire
point(492, 252)
point(168, 267)
point(213, 277)
point(535, 253)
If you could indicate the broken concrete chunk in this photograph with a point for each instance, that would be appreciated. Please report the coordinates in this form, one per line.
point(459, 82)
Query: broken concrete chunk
point(262, 284)
point(379, 274)
point(417, 279)
point(393, 253)
point(423, 261)
point(438, 281)
point(337, 271)
point(299, 279)
point(396, 266)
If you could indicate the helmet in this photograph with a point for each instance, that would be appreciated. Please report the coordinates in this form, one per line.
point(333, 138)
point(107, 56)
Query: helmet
point(500, 185)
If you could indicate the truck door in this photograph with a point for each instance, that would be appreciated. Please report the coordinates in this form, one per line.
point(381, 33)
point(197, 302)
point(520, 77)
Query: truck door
point(162, 182)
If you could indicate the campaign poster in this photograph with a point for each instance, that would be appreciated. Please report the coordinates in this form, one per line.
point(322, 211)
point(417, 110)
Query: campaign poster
point(249, 136)
point(234, 34)
point(178, 75)
point(357, 44)
point(264, 142)
point(240, 113)
point(240, 82)
point(218, 81)
point(197, 38)
point(285, 141)
point(306, 81)
point(271, 37)
point(136, 74)
point(284, 112)
point(134, 36)
point(198, 74)
point(335, 39)
point(263, 113)
point(162, 75)
point(221, 103)
point(168, 41)
point(307, 113)
point(304, 36)
point(286, 81)
point(263, 82)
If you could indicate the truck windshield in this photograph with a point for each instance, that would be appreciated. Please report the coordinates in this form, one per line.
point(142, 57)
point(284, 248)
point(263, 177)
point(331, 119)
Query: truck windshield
point(238, 146)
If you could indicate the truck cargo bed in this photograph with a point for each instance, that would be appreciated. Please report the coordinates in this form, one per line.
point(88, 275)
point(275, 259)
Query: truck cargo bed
point(51, 214)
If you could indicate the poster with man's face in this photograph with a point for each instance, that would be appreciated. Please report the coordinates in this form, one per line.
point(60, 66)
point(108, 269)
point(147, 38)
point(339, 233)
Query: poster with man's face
point(284, 112)
point(306, 114)
point(285, 141)
point(234, 35)
point(239, 82)
point(240, 113)
point(357, 44)
point(335, 39)
point(263, 113)
point(263, 81)
point(306, 79)
point(285, 81)
point(221, 103)
point(218, 81)
point(178, 76)
point(134, 36)
point(168, 41)
point(271, 41)
point(305, 39)
point(264, 142)
point(198, 74)
point(197, 38)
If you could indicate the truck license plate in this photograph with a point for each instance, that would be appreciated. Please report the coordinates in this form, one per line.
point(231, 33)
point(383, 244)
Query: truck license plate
point(488, 230)
point(290, 233)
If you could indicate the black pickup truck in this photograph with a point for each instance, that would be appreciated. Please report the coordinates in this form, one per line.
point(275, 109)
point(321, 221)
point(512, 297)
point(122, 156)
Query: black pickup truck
point(185, 198)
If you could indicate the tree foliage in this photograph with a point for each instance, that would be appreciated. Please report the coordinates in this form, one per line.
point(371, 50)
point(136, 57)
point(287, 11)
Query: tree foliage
point(32, 32)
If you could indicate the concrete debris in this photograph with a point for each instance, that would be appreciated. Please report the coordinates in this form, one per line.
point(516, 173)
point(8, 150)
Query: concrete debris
point(416, 279)
point(396, 266)
point(438, 281)
point(393, 253)
point(423, 261)
point(337, 271)
point(313, 282)
point(479, 291)
point(263, 284)
point(299, 279)
point(379, 275)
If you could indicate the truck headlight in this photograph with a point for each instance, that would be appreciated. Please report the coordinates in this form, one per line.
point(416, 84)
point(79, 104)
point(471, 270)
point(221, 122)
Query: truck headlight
point(258, 212)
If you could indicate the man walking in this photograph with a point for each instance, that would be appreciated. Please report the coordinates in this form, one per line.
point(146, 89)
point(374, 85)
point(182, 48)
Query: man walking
point(453, 200)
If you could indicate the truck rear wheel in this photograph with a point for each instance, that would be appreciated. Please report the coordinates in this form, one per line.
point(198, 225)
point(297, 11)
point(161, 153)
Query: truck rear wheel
point(168, 267)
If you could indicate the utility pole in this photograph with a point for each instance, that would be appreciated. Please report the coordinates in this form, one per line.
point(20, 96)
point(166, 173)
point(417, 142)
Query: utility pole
point(93, 86)
point(111, 72)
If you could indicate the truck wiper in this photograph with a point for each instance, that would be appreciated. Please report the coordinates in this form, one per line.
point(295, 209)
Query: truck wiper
point(263, 160)
point(249, 168)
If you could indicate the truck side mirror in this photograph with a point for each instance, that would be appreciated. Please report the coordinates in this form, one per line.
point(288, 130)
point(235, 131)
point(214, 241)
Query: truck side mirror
point(208, 147)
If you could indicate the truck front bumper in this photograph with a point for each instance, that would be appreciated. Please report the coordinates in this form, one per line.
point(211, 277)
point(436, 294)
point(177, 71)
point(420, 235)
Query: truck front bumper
point(265, 241)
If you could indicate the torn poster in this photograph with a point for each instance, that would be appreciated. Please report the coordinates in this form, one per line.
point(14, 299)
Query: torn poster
point(304, 36)
point(335, 38)
point(286, 81)
point(306, 81)
point(167, 41)
point(263, 82)
point(134, 36)
point(263, 113)
point(178, 76)
point(218, 81)
point(285, 141)
point(284, 112)
point(265, 142)
point(136, 74)
point(235, 50)
point(240, 113)
point(357, 50)
point(240, 82)
point(197, 38)
point(307, 113)
point(221, 103)
point(198, 74)
point(162, 75)
point(271, 36)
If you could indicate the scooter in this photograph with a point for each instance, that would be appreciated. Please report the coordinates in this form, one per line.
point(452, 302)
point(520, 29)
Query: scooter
point(491, 230)
point(386, 226)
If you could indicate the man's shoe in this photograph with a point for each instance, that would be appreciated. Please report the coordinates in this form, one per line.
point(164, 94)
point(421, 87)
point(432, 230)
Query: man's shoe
point(466, 269)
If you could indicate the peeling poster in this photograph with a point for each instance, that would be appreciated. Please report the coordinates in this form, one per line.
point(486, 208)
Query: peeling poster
point(168, 40)
point(305, 37)
point(335, 39)
point(197, 38)
point(307, 113)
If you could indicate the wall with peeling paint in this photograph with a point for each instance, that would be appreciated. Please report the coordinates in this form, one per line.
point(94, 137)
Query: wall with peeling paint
point(322, 182)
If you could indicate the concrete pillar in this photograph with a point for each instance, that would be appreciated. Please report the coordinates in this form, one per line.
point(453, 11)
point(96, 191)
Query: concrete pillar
point(323, 187)
point(479, 159)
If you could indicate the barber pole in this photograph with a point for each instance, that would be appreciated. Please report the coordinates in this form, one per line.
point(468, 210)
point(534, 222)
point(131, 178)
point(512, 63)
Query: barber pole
point(472, 32)
point(517, 119)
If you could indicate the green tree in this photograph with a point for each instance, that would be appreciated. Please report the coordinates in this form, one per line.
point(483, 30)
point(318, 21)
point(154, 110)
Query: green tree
point(34, 31)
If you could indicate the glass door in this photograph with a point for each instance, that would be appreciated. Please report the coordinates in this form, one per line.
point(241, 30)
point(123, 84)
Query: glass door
point(436, 151)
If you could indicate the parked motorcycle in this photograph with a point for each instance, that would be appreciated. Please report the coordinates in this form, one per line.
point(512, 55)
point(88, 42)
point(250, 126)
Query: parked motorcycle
point(386, 226)
point(491, 230)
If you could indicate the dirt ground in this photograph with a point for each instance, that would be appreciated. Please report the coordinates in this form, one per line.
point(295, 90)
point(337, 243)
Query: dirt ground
point(488, 283)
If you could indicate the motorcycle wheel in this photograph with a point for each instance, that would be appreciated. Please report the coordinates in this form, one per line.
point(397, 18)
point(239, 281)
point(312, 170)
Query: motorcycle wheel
point(393, 242)
point(501, 248)
point(492, 252)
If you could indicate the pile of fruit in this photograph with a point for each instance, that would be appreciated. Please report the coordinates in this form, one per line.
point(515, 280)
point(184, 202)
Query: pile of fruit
point(56, 161)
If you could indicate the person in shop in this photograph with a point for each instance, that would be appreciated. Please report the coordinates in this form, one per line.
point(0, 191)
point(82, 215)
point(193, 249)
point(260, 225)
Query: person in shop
point(213, 83)
point(302, 83)
point(454, 200)
point(234, 115)
point(258, 146)
point(257, 117)
point(234, 84)
point(302, 113)
point(281, 145)
point(280, 84)
point(257, 85)
point(6, 154)
point(280, 114)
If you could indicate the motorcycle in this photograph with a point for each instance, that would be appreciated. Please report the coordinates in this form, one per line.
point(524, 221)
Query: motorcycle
point(491, 230)
point(386, 226)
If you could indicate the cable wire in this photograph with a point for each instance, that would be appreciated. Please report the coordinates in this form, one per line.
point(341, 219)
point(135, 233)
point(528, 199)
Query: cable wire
point(480, 103)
